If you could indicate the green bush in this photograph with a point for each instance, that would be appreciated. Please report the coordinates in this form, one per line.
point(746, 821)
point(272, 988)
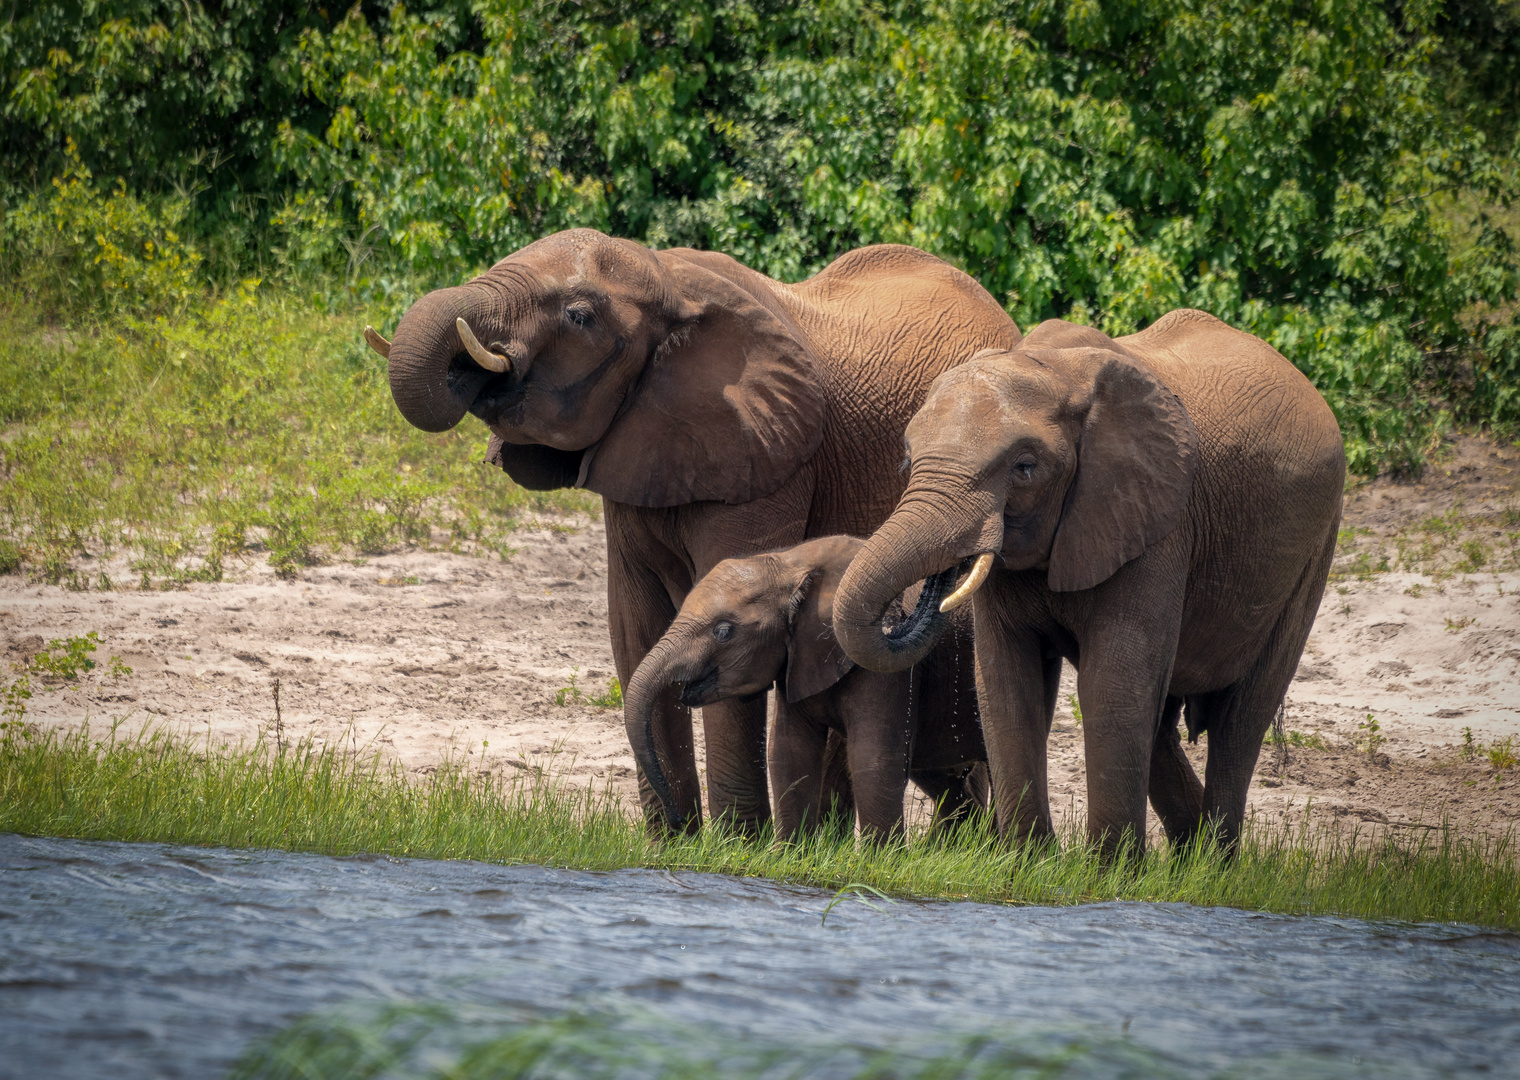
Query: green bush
point(1334, 177)
point(250, 422)
point(78, 247)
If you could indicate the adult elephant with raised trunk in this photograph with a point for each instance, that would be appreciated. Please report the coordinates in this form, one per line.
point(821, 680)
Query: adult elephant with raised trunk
point(1160, 510)
point(717, 412)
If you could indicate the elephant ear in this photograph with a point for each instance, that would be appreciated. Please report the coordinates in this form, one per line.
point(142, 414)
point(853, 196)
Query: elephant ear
point(727, 409)
point(814, 659)
point(1134, 476)
point(537, 468)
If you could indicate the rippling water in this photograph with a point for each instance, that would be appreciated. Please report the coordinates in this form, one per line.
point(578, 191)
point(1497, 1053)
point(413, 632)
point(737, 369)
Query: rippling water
point(139, 960)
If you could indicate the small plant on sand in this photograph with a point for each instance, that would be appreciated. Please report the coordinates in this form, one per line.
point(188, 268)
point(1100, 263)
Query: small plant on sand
point(612, 698)
point(1372, 736)
point(1474, 557)
point(1456, 626)
point(1414, 590)
point(1311, 741)
point(64, 660)
point(1076, 709)
point(1470, 745)
point(569, 695)
point(1501, 755)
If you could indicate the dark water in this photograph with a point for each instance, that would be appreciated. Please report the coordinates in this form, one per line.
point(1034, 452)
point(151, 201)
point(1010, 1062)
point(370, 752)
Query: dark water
point(136, 960)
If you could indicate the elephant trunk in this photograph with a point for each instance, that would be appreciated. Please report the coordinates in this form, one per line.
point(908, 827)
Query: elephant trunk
point(664, 665)
point(929, 537)
point(434, 380)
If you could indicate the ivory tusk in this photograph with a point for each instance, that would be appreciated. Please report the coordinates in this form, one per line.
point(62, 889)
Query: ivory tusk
point(979, 571)
point(376, 342)
point(482, 355)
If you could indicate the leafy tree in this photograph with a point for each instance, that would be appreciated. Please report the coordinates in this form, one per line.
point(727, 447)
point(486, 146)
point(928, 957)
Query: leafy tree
point(1333, 176)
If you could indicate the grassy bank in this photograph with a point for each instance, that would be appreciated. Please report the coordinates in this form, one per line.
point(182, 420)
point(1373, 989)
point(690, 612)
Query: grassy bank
point(157, 788)
point(258, 420)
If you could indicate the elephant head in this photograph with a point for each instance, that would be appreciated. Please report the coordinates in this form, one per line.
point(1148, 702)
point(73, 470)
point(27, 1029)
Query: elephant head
point(653, 378)
point(747, 624)
point(1066, 455)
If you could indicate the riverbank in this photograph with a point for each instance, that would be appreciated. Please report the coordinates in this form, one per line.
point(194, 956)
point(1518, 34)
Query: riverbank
point(102, 785)
point(453, 649)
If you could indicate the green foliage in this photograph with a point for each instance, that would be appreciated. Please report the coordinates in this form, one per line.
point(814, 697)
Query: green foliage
point(66, 658)
point(1312, 741)
point(300, 798)
point(249, 424)
point(171, 96)
point(437, 1042)
point(1500, 755)
point(78, 247)
point(1372, 735)
point(612, 698)
point(1335, 178)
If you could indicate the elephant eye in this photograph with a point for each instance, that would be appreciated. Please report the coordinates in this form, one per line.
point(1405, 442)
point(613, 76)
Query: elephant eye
point(723, 631)
point(580, 313)
point(1024, 468)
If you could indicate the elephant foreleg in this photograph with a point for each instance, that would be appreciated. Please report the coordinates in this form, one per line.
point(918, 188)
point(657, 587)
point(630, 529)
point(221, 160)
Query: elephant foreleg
point(1017, 679)
point(1125, 669)
point(836, 801)
point(737, 793)
point(797, 758)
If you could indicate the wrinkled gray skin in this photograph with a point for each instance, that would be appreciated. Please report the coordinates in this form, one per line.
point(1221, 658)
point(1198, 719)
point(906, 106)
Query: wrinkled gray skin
point(718, 413)
point(765, 619)
point(1163, 511)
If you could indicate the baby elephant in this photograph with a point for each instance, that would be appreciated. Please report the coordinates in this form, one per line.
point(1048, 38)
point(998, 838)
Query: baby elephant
point(767, 619)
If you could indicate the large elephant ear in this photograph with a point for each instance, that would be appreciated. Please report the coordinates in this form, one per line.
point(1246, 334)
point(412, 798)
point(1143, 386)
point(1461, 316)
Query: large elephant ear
point(727, 409)
point(1134, 475)
point(537, 468)
point(814, 659)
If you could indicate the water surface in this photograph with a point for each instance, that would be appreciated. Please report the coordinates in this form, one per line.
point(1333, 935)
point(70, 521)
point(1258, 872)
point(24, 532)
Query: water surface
point(143, 960)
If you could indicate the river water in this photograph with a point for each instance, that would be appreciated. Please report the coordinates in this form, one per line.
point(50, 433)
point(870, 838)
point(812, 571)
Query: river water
point(146, 960)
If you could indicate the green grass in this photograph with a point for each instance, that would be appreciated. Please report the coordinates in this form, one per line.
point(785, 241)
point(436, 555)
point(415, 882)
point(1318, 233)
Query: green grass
point(156, 788)
point(444, 1042)
point(256, 420)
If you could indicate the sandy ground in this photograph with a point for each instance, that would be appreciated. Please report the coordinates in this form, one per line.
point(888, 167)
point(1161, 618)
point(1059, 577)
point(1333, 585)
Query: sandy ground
point(429, 652)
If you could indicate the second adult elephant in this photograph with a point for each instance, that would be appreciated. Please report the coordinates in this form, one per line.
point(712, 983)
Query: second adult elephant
point(1159, 509)
point(718, 413)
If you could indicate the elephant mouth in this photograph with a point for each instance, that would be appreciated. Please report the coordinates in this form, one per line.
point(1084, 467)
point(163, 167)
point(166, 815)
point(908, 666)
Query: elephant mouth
point(903, 630)
point(702, 689)
point(488, 393)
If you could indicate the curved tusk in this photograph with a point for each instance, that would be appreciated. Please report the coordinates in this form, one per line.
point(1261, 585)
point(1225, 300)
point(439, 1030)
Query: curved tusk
point(482, 355)
point(376, 342)
point(979, 571)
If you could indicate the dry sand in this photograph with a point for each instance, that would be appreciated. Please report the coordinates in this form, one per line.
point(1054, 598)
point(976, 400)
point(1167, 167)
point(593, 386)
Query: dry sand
point(427, 653)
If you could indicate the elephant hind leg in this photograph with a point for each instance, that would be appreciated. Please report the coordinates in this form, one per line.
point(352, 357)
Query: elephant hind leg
point(1237, 717)
point(956, 793)
point(1175, 791)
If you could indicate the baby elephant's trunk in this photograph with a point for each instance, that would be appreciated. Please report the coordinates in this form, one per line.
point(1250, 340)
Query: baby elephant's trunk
point(656, 673)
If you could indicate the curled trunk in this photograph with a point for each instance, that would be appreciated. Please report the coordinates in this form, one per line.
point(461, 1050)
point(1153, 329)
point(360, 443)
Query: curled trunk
point(432, 388)
point(660, 668)
point(930, 537)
